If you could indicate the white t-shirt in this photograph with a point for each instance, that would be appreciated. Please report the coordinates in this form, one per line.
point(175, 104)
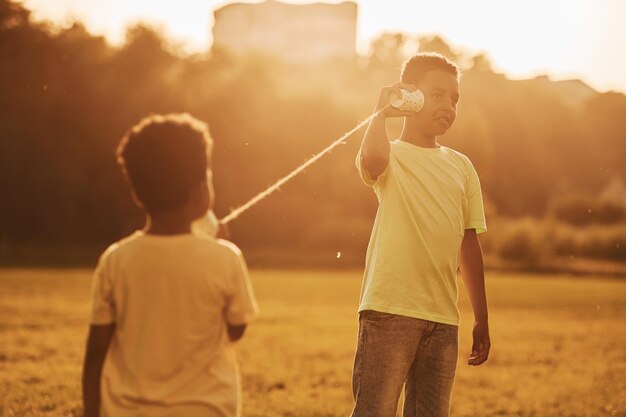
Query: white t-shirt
point(427, 198)
point(171, 298)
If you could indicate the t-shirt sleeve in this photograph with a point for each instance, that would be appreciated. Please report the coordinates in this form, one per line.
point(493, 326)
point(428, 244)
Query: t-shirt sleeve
point(365, 176)
point(242, 306)
point(103, 303)
point(474, 213)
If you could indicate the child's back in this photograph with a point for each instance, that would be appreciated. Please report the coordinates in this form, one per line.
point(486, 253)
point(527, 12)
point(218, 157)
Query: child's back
point(171, 297)
point(167, 303)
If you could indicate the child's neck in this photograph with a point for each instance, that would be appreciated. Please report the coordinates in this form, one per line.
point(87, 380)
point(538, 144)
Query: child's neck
point(167, 224)
point(413, 135)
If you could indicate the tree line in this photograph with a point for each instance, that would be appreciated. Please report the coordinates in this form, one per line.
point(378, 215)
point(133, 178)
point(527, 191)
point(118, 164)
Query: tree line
point(68, 97)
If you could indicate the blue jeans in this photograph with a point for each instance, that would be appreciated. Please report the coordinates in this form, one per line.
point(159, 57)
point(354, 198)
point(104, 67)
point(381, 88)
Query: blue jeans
point(395, 351)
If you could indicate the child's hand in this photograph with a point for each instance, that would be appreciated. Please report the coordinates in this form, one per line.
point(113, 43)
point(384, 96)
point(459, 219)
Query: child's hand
point(383, 100)
point(481, 344)
point(223, 232)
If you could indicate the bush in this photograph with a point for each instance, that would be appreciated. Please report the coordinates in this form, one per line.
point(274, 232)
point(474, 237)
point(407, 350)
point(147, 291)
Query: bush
point(520, 242)
point(563, 239)
point(603, 243)
point(579, 210)
point(594, 242)
point(609, 212)
point(530, 241)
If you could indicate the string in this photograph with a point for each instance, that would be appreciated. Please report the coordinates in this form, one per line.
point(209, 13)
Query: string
point(274, 187)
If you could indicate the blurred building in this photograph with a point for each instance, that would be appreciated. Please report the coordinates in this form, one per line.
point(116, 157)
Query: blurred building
point(294, 32)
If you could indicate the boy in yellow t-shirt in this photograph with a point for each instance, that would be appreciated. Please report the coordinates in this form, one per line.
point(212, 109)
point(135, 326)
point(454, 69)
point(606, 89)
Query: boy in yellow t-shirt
point(430, 212)
point(167, 303)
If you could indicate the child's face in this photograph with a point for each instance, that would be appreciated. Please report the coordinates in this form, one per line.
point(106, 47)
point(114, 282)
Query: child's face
point(441, 95)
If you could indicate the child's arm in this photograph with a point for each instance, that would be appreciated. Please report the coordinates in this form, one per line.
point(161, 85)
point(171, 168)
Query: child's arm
point(473, 272)
point(241, 307)
point(375, 144)
point(97, 346)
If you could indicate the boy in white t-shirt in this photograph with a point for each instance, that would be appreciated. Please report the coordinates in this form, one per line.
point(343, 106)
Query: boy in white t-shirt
point(430, 212)
point(167, 303)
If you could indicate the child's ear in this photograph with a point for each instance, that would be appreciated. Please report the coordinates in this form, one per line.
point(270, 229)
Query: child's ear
point(201, 197)
point(136, 199)
point(209, 184)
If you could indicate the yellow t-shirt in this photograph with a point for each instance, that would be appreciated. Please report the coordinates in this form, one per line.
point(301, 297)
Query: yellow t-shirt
point(427, 198)
point(171, 298)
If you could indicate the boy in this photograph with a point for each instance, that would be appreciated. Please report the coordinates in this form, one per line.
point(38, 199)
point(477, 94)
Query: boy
point(167, 303)
point(430, 212)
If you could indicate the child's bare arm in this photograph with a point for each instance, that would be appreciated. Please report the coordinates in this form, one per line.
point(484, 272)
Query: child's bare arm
point(97, 346)
point(375, 144)
point(473, 272)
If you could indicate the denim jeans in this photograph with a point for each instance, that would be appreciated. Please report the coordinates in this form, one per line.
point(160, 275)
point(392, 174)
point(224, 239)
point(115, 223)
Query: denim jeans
point(395, 351)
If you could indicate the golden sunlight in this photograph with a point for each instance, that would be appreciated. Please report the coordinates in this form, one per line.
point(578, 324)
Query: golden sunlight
point(470, 208)
point(562, 38)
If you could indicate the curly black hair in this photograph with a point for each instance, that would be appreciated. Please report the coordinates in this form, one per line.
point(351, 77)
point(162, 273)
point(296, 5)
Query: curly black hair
point(163, 157)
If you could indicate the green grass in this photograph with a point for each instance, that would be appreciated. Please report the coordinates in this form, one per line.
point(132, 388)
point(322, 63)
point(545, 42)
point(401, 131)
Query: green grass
point(559, 345)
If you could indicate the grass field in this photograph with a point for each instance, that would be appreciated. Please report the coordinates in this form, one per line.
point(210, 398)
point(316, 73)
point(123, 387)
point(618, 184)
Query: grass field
point(559, 345)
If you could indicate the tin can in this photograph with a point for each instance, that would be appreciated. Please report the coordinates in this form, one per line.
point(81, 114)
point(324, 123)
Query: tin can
point(407, 100)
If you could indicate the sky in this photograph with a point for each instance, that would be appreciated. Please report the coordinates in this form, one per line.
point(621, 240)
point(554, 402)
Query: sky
point(564, 39)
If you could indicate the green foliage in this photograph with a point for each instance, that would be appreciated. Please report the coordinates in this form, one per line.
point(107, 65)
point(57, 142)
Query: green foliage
point(67, 98)
point(595, 242)
point(580, 210)
point(520, 242)
point(533, 243)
